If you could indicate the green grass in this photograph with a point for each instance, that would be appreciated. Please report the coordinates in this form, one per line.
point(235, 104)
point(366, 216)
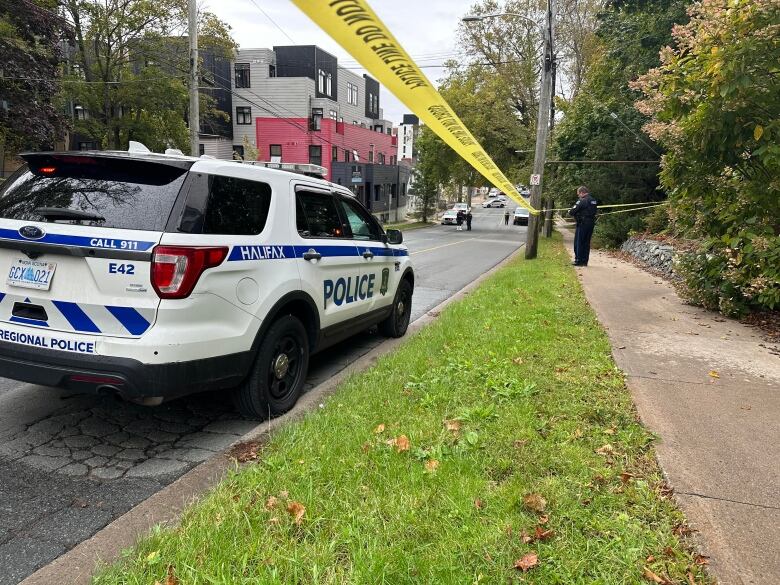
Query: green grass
point(525, 369)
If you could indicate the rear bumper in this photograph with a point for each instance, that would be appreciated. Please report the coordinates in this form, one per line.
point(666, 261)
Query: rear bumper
point(129, 377)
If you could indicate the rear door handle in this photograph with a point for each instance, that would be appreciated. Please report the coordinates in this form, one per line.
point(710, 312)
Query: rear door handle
point(368, 254)
point(312, 254)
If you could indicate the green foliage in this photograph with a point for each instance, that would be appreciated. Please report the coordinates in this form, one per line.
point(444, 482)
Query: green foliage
point(30, 54)
point(612, 230)
point(428, 173)
point(715, 106)
point(629, 38)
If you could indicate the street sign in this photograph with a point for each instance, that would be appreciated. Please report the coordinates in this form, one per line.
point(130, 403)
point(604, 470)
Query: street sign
point(536, 179)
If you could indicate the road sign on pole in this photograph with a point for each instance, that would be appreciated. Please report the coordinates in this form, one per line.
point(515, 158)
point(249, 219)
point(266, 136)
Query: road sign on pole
point(536, 179)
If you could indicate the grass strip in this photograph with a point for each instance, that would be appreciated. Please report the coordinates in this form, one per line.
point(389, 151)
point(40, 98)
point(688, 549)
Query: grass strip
point(500, 444)
point(408, 225)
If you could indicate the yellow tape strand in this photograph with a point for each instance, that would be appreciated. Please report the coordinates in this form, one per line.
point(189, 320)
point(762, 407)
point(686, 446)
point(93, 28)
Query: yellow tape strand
point(647, 203)
point(357, 28)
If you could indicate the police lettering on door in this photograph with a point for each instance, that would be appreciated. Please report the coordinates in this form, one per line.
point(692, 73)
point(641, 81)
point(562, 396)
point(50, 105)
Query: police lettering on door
point(348, 290)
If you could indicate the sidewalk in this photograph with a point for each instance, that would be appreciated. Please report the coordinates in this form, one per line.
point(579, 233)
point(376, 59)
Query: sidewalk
point(711, 392)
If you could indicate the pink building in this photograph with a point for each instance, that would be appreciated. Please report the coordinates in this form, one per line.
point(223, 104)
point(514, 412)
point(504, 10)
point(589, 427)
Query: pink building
point(290, 140)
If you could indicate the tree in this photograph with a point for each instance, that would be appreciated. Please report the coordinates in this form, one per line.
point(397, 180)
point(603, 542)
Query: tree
point(714, 104)
point(628, 39)
point(30, 117)
point(129, 74)
point(428, 173)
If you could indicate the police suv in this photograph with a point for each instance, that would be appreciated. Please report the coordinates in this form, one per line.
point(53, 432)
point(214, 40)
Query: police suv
point(153, 276)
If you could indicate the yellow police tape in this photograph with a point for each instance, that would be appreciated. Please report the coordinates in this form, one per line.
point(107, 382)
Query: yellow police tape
point(355, 26)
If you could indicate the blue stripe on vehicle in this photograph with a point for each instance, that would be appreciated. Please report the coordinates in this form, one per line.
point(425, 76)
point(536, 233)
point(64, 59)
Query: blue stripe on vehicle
point(266, 252)
point(24, 321)
point(82, 241)
point(130, 319)
point(77, 318)
point(275, 252)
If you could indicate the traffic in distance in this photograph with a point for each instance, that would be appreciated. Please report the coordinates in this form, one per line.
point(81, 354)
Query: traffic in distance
point(151, 276)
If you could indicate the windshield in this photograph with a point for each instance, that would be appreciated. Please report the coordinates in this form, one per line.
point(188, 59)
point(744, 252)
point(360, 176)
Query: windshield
point(93, 190)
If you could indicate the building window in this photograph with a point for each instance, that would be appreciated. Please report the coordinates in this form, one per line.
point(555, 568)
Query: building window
point(242, 75)
point(377, 192)
point(381, 157)
point(324, 82)
point(238, 152)
point(316, 119)
point(244, 115)
point(346, 155)
point(378, 128)
point(341, 119)
point(371, 155)
point(276, 152)
point(333, 114)
point(81, 113)
point(315, 154)
point(352, 94)
point(334, 153)
point(201, 149)
point(87, 146)
point(272, 71)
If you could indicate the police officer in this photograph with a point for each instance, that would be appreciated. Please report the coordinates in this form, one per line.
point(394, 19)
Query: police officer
point(468, 218)
point(584, 212)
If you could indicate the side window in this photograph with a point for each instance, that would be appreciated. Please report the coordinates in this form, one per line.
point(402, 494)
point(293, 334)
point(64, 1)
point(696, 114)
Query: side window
point(362, 225)
point(320, 216)
point(236, 206)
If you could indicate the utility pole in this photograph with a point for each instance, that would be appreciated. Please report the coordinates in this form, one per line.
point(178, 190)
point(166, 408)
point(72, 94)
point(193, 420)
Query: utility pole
point(194, 97)
point(542, 132)
point(548, 202)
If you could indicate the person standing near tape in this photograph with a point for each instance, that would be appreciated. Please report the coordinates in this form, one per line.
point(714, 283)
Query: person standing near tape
point(584, 213)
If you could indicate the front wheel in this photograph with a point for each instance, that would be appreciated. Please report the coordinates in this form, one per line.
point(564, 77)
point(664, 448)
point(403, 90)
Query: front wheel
point(276, 380)
point(398, 321)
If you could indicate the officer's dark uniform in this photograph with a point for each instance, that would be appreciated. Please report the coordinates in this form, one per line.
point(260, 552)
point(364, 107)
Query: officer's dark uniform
point(585, 214)
point(468, 221)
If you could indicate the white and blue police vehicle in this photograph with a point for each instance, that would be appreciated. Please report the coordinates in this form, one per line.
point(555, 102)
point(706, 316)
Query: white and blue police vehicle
point(154, 276)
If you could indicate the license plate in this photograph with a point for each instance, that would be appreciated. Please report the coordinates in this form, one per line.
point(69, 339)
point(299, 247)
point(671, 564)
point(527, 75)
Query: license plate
point(31, 274)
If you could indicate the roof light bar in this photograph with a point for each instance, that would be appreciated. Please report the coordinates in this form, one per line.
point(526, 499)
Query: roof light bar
point(300, 168)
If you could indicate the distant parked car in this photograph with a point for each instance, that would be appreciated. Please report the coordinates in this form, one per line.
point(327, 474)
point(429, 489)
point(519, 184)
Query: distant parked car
point(494, 203)
point(449, 217)
point(520, 216)
point(464, 207)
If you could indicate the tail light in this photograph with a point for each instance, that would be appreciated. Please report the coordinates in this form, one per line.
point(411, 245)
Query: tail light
point(176, 269)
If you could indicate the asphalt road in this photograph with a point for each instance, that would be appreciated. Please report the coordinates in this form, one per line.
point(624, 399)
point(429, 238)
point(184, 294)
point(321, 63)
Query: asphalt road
point(70, 464)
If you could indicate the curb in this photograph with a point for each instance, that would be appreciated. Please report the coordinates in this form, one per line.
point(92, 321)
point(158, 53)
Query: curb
point(77, 566)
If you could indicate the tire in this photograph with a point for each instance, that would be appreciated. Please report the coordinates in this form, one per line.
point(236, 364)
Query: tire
point(397, 322)
point(275, 382)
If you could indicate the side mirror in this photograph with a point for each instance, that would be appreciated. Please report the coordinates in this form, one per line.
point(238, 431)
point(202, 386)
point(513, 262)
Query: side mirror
point(395, 237)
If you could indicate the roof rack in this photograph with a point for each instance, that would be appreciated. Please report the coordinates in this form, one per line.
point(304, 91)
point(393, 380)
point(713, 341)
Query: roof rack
point(309, 170)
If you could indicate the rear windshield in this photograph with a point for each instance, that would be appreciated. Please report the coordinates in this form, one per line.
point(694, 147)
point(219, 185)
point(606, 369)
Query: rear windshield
point(113, 192)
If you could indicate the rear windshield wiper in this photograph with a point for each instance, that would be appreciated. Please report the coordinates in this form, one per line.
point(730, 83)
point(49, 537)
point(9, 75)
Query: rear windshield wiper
point(54, 213)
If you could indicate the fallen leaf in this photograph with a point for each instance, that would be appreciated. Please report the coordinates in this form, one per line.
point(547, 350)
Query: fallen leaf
point(650, 559)
point(701, 560)
point(296, 510)
point(274, 520)
point(431, 465)
point(625, 477)
point(714, 374)
point(605, 450)
point(544, 519)
point(534, 502)
point(690, 579)
point(453, 426)
point(518, 360)
point(609, 431)
point(577, 433)
point(525, 538)
point(379, 429)
point(365, 448)
point(650, 576)
point(529, 561)
point(284, 494)
point(622, 347)
point(520, 443)
point(171, 578)
point(542, 534)
point(402, 443)
point(271, 503)
point(478, 504)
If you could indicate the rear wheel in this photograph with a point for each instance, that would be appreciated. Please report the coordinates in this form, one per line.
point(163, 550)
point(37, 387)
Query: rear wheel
point(398, 321)
point(276, 380)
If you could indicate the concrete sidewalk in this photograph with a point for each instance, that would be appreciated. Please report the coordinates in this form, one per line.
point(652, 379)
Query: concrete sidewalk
point(710, 389)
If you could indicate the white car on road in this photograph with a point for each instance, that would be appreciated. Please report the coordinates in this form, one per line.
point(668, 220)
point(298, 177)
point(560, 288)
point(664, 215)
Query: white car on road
point(449, 217)
point(154, 276)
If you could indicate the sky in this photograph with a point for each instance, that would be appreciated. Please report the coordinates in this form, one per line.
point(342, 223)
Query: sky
point(425, 28)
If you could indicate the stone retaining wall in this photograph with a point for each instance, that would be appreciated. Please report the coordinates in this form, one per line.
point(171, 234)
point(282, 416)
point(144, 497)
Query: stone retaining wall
point(655, 254)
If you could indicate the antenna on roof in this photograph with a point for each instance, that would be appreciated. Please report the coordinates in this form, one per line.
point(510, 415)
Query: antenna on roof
point(137, 147)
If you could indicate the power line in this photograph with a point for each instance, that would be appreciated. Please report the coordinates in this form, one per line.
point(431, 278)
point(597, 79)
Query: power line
point(60, 80)
point(273, 21)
